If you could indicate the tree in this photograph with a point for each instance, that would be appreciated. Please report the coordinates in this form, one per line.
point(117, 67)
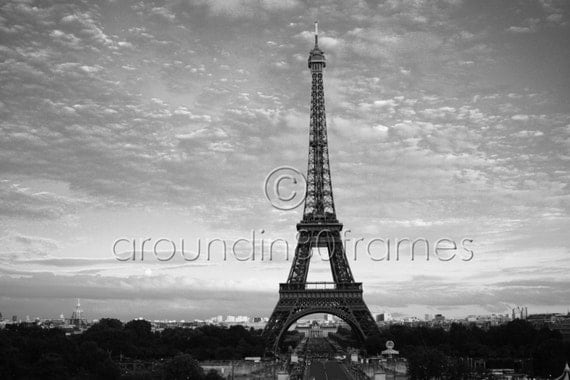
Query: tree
point(50, 366)
point(108, 323)
point(140, 329)
point(110, 336)
point(426, 363)
point(549, 358)
point(213, 375)
point(183, 367)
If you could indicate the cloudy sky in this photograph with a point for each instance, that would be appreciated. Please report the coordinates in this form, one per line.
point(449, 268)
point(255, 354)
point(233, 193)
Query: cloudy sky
point(161, 119)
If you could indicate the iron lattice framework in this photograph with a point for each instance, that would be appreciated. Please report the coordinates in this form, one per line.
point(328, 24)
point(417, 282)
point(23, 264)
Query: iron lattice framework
point(319, 228)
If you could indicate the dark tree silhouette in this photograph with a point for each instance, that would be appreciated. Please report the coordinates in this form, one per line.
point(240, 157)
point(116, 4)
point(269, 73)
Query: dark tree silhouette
point(29, 352)
point(183, 367)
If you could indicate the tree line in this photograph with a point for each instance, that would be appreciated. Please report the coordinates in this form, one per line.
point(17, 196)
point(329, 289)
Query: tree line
point(434, 352)
point(32, 352)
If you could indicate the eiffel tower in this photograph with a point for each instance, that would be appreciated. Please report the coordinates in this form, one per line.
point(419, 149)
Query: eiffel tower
point(319, 229)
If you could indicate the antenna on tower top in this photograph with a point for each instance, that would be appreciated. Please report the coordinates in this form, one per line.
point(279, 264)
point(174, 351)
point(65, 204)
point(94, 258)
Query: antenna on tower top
point(316, 32)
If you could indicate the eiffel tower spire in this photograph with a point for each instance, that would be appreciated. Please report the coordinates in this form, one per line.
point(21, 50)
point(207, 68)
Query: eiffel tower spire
point(319, 202)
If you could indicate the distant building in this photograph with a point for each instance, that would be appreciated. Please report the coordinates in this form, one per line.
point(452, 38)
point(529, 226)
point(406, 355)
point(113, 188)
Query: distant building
point(519, 313)
point(428, 317)
point(542, 320)
point(14, 318)
point(410, 320)
point(316, 330)
point(384, 317)
point(439, 318)
point(77, 318)
point(562, 324)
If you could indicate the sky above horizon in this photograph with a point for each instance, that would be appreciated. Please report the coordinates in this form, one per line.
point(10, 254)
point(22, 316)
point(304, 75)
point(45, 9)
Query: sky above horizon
point(161, 120)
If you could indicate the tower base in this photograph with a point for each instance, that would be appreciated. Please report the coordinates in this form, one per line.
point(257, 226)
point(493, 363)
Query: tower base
point(343, 300)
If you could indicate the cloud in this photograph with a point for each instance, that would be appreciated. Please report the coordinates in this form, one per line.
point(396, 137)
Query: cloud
point(526, 133)
point(106, 291)
point(166, 118)
point(520, 117)
point(248, 8)
point(16, 246)
point(21, 202)
point(163, 12)
point(520, 29)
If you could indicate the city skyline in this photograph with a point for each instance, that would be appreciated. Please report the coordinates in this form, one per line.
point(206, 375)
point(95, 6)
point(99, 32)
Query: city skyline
point(138, 120)
point(387, 316)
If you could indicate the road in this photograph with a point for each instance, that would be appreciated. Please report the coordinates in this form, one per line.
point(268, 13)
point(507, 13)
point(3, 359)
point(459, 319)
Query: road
point(327, 370)
point(319, 352)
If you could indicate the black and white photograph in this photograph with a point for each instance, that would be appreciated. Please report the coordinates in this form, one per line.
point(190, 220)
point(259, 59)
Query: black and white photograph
point(285, 189)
